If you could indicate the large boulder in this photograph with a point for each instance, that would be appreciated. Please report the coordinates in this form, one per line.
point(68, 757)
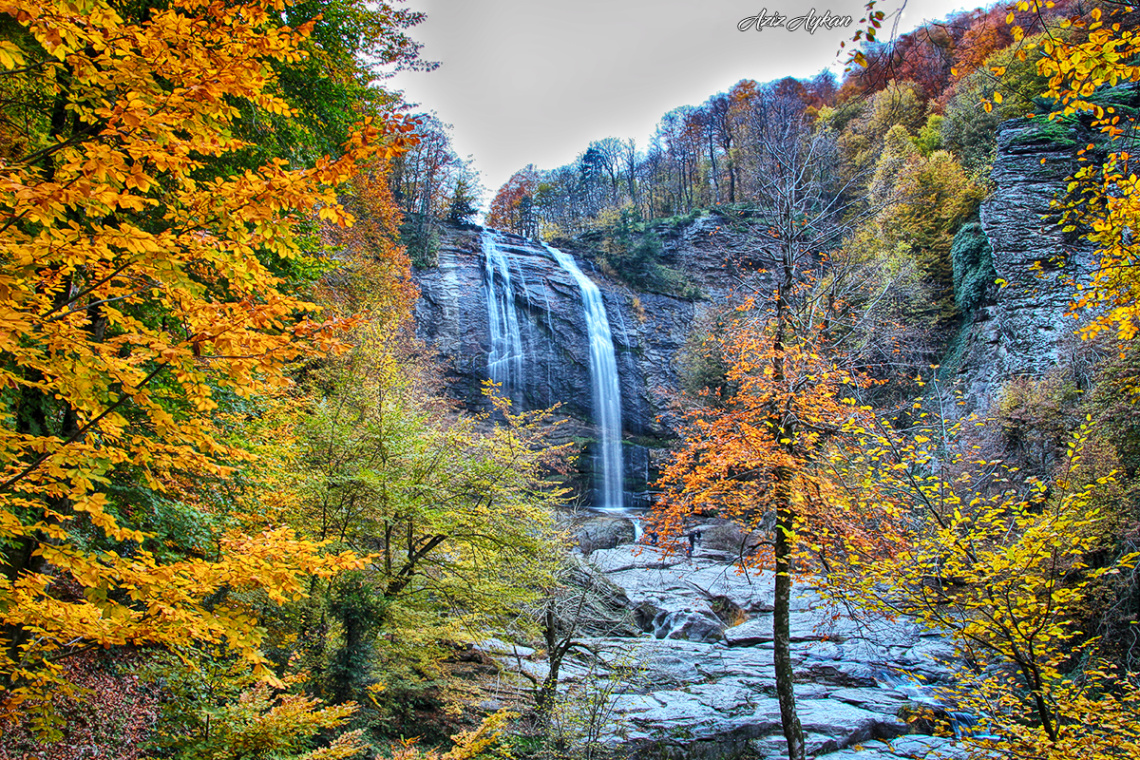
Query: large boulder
point(603, 532)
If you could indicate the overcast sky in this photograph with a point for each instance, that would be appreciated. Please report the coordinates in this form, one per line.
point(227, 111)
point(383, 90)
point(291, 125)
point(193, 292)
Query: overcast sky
point(534, 81)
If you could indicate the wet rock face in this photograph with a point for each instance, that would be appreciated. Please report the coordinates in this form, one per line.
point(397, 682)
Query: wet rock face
point(451, 316)
point(648, 332)
point(1026, 330)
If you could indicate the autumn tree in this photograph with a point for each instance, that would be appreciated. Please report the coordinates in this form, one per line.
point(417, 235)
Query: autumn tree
point(453, 512)
point(863, 139)
point(513, 207)
point(1005, 566)
point(331, 84)
point(766, 449)
point(424, 181)
point(607, 155)
point(763, 451)
point(921, 202)
point(144, 284)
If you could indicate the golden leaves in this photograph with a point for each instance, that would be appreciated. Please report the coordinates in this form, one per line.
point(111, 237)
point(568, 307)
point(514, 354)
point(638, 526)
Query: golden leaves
point(136, 283)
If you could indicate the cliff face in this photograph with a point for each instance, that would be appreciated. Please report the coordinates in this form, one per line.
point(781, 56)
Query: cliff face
point(1019, 329)
point(1025, 329)
point(648, 330)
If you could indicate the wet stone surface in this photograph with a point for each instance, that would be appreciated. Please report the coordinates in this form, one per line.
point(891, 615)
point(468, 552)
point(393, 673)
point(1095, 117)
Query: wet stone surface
point(694, 685)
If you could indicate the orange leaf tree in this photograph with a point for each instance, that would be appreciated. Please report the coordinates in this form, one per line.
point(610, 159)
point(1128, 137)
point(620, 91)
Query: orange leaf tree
point(513, 208)
point(771, 448)
point(137, 292)
point(765, 450)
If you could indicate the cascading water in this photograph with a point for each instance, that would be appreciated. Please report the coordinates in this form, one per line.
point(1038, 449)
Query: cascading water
point(604, 381)
point(505, 361)
point(961, 723)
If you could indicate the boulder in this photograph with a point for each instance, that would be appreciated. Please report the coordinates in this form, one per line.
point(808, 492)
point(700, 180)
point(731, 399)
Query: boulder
point(602, 532)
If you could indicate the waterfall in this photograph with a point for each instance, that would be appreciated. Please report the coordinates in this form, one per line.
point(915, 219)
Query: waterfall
point(604, 382)
point(505, 360)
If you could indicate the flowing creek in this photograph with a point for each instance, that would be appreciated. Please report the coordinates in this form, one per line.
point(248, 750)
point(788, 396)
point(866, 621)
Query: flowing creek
point(683, 661)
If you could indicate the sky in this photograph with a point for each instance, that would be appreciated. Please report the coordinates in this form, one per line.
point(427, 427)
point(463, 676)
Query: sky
point(534, 81)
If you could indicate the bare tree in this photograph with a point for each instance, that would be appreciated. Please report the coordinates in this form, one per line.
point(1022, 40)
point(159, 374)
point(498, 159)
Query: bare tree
point(580, 603)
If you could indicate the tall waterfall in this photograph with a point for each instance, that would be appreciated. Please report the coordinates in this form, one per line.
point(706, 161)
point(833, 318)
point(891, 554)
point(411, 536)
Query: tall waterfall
point(604, 381)
point(505, 360)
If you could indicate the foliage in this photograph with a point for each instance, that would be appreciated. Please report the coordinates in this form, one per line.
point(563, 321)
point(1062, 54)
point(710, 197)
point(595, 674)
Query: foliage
point(1103, 195)
point(141, 292)
point(1005, 569)
point(972, 118)
point(772, 434)
point(1034, 417)
point(898, 104)
point(973, 266)
point(929, 138)
point(702, 368)
point(430, 183)
point(213, 711)
point(369, 278)
point(634, 254)
point(766, 450)
point(453, 512)
point(925, 201)
point(513, 207)
point(420, 236)
point(461, 207)
point(875, 298)
point(330, 86)
point(484, 741)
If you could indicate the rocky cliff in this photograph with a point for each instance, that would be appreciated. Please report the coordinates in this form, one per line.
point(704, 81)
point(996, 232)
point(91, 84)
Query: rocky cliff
point(686, 673)
point(648, 331)
point(1021, 328)
point(1024, 327)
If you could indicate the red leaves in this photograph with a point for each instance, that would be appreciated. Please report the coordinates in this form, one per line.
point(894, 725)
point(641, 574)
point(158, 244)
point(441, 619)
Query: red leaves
point(105, 713)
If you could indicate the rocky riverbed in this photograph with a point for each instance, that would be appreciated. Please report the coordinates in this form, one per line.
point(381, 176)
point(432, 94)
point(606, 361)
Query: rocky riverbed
point(689, 672)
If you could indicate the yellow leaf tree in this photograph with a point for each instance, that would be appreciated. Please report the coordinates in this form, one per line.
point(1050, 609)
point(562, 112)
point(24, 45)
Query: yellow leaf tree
point(1099, 52)
point(1005, 568)
point(137, 286)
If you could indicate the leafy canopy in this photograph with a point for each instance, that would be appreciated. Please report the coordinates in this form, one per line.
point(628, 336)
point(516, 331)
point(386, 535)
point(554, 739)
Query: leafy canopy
point(137, 289)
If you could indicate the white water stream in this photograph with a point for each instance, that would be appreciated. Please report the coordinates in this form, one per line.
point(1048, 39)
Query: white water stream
point(505, 360)
point(604, 382)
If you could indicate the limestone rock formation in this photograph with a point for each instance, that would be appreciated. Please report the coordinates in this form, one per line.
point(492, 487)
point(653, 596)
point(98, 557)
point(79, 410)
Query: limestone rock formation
point(1026, 329)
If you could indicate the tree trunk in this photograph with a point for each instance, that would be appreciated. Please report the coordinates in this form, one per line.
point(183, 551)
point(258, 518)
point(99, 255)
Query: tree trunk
point(1036, 686)
point(781, 624)
point(555, 651)
point(785, 525)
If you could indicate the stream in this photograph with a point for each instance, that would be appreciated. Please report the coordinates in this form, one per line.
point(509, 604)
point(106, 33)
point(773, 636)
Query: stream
point(693, 676)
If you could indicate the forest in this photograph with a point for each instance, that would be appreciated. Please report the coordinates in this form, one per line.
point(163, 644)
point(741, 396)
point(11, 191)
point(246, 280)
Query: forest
point(244, 512)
